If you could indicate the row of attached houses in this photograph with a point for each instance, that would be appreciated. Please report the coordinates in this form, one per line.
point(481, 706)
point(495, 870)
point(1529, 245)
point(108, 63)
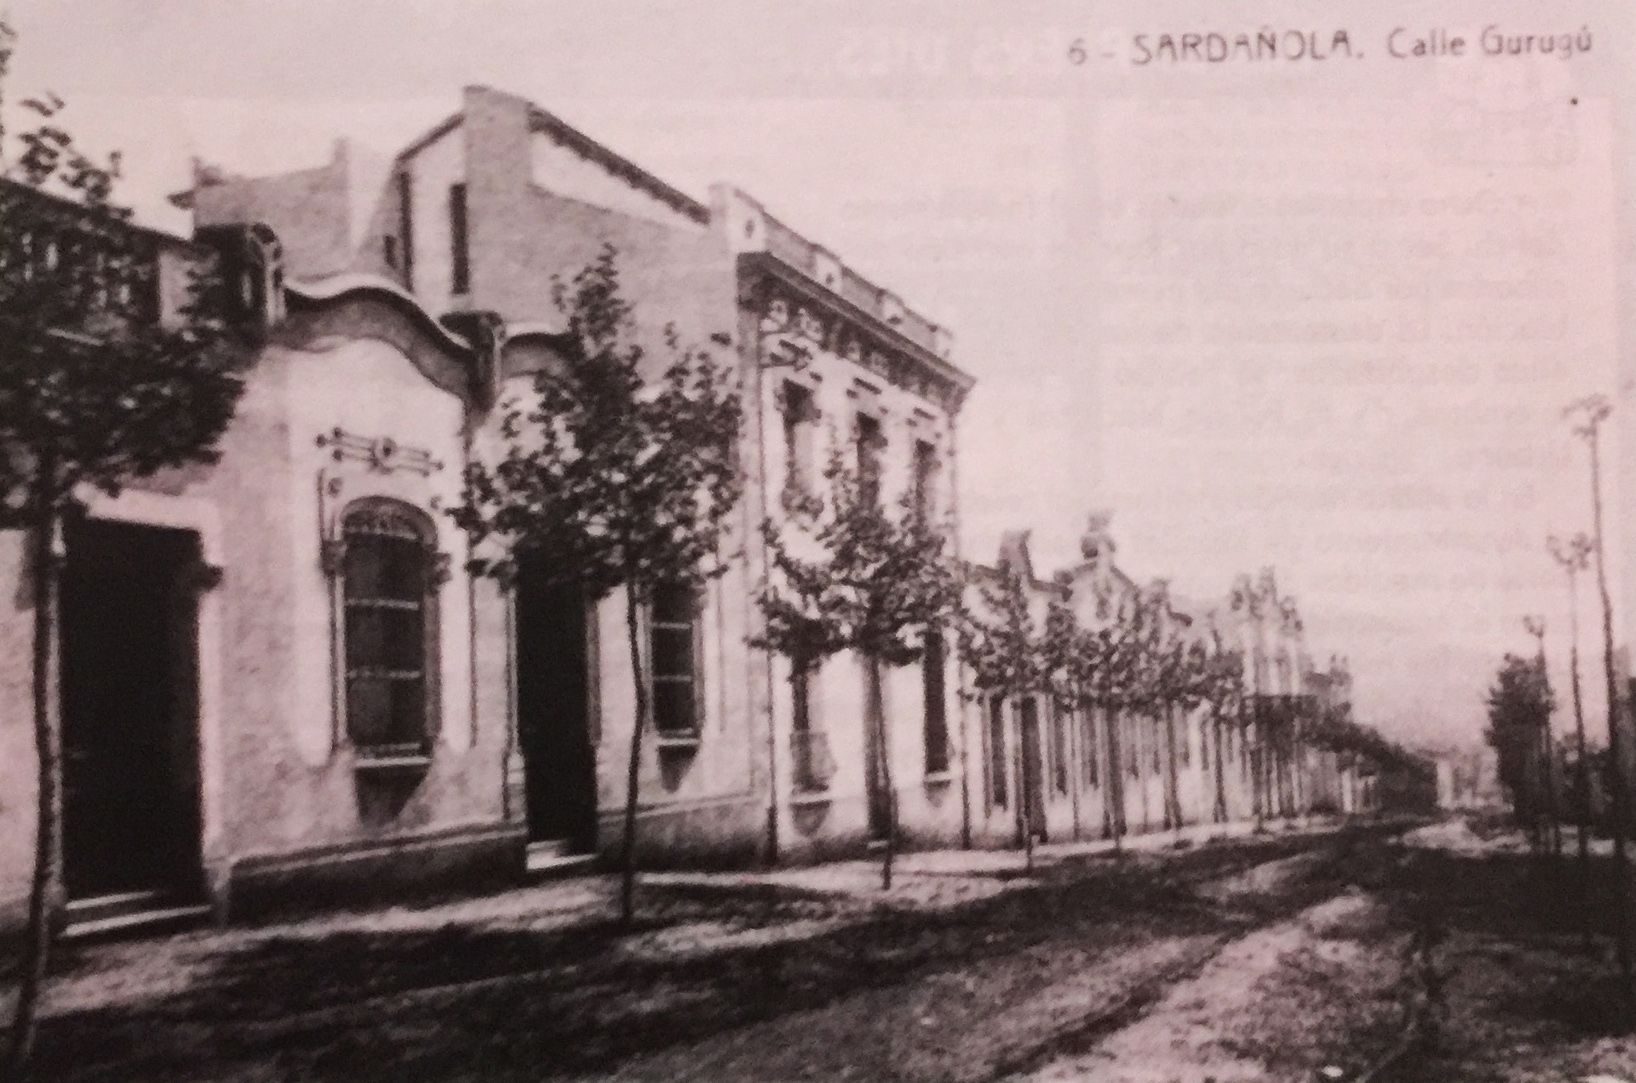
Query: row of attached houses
point(280, 684)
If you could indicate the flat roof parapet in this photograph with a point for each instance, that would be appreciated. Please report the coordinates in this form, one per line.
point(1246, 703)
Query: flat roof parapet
point(763, 232)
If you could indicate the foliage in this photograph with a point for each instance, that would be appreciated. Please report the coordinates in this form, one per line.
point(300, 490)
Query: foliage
point(94, 389)
point(1001, 645)
point(607, 480)
point(611, 480)
point(875, 583)
point(1520, 702)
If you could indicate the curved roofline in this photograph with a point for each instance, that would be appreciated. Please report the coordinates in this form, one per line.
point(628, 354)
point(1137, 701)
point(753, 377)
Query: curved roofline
point(362, 284)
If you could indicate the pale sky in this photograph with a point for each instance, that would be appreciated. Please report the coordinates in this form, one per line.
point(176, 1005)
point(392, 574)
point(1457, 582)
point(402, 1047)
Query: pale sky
point(1319, 315)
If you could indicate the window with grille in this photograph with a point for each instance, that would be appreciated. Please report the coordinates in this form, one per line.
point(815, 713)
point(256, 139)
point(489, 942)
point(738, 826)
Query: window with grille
point(937, 723)
point(673, 627)
point(389, 579)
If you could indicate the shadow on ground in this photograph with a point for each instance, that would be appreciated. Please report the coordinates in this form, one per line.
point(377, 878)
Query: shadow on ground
point(471, 1001)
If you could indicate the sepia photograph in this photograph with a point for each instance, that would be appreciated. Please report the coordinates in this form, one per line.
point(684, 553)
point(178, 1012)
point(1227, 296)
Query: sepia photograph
point(1071, 540)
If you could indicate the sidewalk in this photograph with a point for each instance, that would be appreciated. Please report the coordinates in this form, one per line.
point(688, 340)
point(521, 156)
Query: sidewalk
point(940, 878)
point(681, 916)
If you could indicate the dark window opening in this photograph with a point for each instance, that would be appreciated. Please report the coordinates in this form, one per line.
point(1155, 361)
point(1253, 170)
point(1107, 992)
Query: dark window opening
point(870, 440)
point(925, 479)
point(1059, 745)
point(1087, 718)
point(459, 249)
point(406, 231)
point(937, 723)
point(996, 752)
point(800, 414)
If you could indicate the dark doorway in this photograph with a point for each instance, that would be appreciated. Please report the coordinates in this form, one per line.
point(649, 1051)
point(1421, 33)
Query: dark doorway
point(131, 819)
point(1033, 773)
point(553, 713)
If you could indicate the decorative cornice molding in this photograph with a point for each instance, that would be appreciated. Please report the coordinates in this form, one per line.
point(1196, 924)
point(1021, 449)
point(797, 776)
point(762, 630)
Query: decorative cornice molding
point(787, 301)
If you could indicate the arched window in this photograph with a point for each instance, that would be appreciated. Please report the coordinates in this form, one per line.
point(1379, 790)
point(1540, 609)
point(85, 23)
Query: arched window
point(390, 573)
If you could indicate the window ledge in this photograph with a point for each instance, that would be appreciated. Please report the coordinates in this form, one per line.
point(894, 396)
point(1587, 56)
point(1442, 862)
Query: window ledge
point(939, 778)
point(366, 762)
point(808, 798)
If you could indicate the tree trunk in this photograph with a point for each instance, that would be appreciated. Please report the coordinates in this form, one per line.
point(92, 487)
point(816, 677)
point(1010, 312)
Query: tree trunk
point(1582, 768)
point(1116, 779)
point(627, 853)
point(1173, 796)
point(1221, 769)
point(1076, 764)
point(883, 760)
point(45, 887)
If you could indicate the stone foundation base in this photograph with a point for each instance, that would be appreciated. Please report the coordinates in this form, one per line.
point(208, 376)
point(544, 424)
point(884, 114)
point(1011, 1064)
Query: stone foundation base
point(470, 859)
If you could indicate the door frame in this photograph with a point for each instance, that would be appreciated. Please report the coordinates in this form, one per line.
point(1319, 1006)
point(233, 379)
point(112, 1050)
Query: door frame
point(202, 518)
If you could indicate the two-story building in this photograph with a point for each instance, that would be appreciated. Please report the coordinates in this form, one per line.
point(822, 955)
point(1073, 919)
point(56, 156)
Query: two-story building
point(477, 219)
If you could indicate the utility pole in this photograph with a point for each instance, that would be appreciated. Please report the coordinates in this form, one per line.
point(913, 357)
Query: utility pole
point(1586, 416)
point(1574, 555)
point(1535, 626)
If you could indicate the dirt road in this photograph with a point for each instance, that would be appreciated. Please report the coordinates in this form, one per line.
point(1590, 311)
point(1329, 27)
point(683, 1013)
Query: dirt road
point(1090, 963)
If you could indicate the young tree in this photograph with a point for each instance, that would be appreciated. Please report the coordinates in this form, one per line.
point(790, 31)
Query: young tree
point(95, 392)
point(1221, 686)
point(1002, 647)
point(1519, 703)
point(608, 480)
point(874, 581)
point(1176, 667)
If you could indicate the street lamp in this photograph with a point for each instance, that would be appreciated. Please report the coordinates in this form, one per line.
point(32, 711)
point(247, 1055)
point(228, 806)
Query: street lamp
point(1574, 556)
point(1586, 416)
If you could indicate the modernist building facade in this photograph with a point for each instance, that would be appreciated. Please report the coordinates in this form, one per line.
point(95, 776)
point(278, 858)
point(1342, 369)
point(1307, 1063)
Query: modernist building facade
point(477, 219)
point(277, 681)
point(282, 661)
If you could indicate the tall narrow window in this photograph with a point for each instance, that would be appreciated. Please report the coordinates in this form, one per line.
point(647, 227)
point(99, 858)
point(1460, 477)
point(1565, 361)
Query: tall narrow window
point(871, 440)
point(800, 414)
point(996, 752)
point(1059, 744)
point(406, 229)
point(459, 247)
point(937, 724)
point(674, 629)
point(1087, 722)
point(388, 593)
point(809, 746)
point(925, 479)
